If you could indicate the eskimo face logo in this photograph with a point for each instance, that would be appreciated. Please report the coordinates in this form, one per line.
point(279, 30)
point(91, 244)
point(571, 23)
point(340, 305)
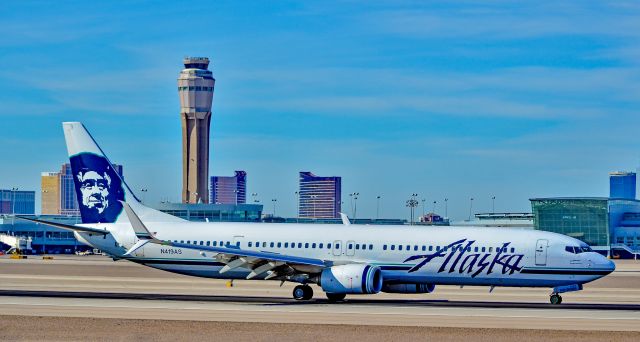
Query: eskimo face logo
point(98, 187)
point(95, 190)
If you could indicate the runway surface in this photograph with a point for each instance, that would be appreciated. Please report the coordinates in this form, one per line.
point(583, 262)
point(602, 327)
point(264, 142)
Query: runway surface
point(96, 287)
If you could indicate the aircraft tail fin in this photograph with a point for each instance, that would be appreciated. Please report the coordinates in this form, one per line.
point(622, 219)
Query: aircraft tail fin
point(99, 186)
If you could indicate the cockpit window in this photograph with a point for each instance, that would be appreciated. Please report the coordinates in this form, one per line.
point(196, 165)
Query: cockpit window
point(578, 250)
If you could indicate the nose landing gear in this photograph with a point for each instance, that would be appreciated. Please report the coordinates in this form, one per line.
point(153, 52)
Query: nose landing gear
point(555, 299)
point(302, 292)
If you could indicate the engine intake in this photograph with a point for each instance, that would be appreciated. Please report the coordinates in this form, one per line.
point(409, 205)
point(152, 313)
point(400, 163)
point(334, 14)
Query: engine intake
point(352, 278)
point(408, 288)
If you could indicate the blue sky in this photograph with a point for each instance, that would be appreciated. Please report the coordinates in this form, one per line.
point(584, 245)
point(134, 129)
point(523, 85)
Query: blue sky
point(511, 99)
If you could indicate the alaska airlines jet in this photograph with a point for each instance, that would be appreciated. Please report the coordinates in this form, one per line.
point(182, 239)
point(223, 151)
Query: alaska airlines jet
point(340, 259)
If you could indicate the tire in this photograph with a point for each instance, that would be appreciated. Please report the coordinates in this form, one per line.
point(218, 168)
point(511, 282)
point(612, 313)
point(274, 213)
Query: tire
point(308, 292)
point(299, 292)
point(555, 299)
point(336, 297)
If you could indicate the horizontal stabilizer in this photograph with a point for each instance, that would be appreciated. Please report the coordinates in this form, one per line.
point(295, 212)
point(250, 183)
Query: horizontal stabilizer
point(79, 229)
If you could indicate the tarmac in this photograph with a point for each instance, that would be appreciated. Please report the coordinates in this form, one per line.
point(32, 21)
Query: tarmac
point(94, 290)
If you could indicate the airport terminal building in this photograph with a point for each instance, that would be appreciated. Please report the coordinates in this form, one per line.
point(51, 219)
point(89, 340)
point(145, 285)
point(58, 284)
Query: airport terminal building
point(610, 226)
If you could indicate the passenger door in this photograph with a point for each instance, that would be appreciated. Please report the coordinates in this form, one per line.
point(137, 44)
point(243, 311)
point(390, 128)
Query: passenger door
point(541, 252)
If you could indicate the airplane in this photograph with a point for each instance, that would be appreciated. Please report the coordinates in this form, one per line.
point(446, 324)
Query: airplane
point(342, 260)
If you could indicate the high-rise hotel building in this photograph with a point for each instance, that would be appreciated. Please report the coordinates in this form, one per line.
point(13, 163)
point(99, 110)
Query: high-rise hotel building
point(229, 190)
point(319, 197)
point(195, 87)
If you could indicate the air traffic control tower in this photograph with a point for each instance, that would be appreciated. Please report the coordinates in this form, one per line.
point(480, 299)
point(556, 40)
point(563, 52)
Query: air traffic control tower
point(195, 87)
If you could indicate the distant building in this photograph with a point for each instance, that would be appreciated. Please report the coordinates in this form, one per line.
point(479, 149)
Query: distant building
point(610, 226)
point(499, 220)
point(228, 190)
point(17, 202)
point(622, 185)
point(319, 197)
point(59, 192)
point(212, 212)
point(50, 185)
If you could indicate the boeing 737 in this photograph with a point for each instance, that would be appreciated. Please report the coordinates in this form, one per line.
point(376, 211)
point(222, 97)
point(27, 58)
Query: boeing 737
point(340, 259)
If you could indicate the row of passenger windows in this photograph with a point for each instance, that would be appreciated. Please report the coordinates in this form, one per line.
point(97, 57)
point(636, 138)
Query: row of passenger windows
point(196, 88)
point(351, 246)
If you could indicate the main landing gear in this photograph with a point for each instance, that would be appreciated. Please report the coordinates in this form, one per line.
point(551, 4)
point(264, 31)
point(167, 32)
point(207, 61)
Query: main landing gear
point(555, 299)
point(302, 292)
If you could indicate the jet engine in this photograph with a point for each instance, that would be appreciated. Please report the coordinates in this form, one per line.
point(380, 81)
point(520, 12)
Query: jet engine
point(352, 278)
point(408, 288)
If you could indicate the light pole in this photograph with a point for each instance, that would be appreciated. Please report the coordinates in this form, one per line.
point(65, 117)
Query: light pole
point(470, 207)
point(493, 204)
point(313, 198)
point(412, 203)
point(378, 207)
point(274, 200)
point(196, 197)
point(446, 214)
point(355, 205)
point(235, 192)
point(434, 207)
point(423, 200)
point(144, 194)
point(13, 200)
point(297, 206)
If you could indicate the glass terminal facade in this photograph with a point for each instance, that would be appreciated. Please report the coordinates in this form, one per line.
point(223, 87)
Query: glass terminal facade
point(583, 219)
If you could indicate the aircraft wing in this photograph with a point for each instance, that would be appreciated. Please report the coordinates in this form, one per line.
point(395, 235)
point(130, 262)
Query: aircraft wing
point(259, 262)
point(79, 229)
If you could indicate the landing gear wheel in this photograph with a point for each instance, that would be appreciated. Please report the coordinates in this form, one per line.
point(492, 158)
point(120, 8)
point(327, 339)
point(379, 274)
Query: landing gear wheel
point(302, 292)
point(555, 299)
point(335, 297)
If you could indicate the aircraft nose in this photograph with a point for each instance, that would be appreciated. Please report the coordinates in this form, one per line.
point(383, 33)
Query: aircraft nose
point(606, 264)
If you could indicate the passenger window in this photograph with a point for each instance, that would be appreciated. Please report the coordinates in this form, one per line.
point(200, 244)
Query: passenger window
point(475, 249)
point(357, 246)
point(329, 246)
point(306, 245)
point(384, 247)
point(208, 243)
point(490, 249)
point(430, 248)
point(299, 244)
point(249, 245)
point(320, 245)
point(188, 241)
point(468, 249)
point(399, 247)
point(293, 245)
point(513, 250)
point(286, 245)
point(438, 248)
point(350, 246)
point(313, 245)
point(337, 246)
point(272, 244)
point(215, 243)
point(408, 247)
point(264, 244)
point(370, 247)
point(279, 244)
point(181, 241)
point(393, 247)
point(424, 248)
point(238, 244)
point(483, 249)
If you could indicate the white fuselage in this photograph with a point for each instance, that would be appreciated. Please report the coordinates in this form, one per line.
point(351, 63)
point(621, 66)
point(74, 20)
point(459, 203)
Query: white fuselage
point(405, 254)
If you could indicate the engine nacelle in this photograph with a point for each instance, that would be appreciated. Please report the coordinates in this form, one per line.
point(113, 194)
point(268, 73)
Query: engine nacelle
point(408, 288)
point(352, 278)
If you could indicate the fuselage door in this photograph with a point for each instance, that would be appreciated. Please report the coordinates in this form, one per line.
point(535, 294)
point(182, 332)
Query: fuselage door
point(541, 252)
point(238, 241)
point(337, 248)
point(350, 248)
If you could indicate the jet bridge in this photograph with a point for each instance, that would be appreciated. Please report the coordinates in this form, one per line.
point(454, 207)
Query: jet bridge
point(16, 243)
